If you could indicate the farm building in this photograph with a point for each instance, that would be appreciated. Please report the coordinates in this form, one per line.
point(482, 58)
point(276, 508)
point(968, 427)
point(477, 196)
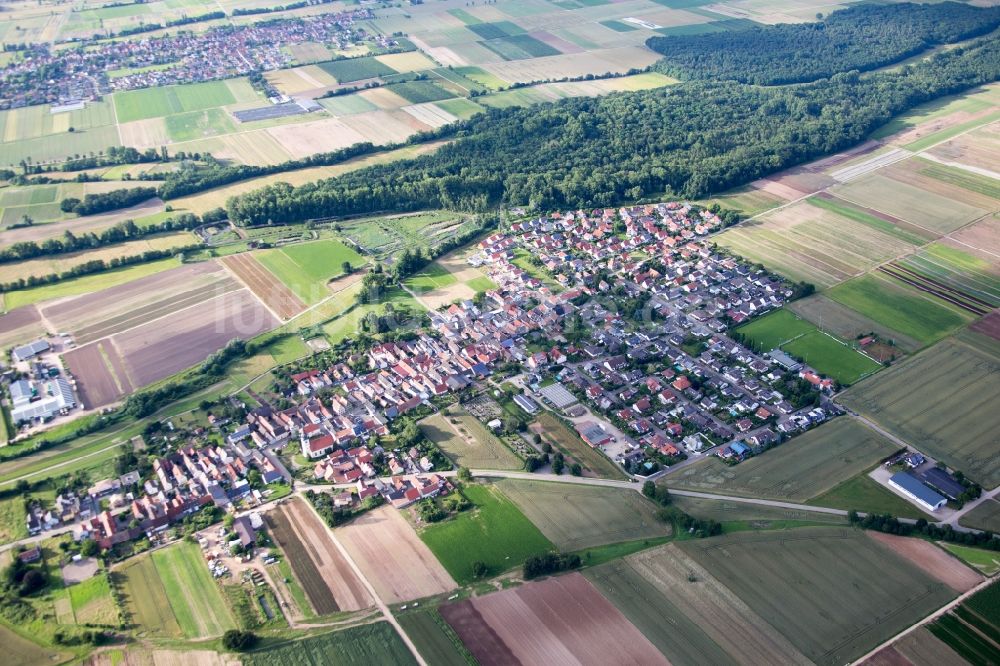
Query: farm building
point(911, 487)
point(943, 482)
point(526, 403)
point(558, 396)
point(57, 395)
point(593, 434)
point(30, 350)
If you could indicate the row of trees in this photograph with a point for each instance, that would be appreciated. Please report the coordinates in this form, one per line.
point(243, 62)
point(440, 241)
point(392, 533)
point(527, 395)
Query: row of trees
point(686, 140)
point(105, 201)
point(863, 37)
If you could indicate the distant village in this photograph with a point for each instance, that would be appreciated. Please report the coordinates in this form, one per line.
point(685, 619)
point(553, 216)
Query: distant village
point(613, 319)
point(70, 76)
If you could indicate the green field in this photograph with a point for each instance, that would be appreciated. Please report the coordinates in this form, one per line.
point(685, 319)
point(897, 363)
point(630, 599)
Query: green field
point(986, 562)
point(801, 468)
point(862, 493)
point(420, 92)
point(199, 124)
point(986, 516)
point(732, 513)
point(461, 108)
point(482, 77)
point(169, 100)
point(965, 179)
point(957, 269)
point(482, 449)
point(376, 643)
point(305, 268)
point(481, 284)
point(773, 330)
point(86, 284)
point(146, 605)
point(92, 601)
point(972, 628)
point(436, 642)
point(899, 307)
point(851, 212)
point(569, 443)
point(833, 592)
point(347, 105)
point(194, 597)
point(942, 400)
point(519, 47)
point(432, 276)
point(580, 517)
point(495, 532)
point(832, 358)
point(619, 26)
point(22, 652)
point(355, 69)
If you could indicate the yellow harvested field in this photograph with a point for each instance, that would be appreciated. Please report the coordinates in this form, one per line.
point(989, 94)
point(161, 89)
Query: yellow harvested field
point(384, 98)
point(393, 558)
point(315, 137)
point(142, 134)
point(616, 60)
point(406, 62)
point(381, 127)
point(300, 79)
point(430, 114)
point(256, 147)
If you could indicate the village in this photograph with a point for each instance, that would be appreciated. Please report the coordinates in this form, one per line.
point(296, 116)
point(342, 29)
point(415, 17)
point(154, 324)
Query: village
point(78, 74)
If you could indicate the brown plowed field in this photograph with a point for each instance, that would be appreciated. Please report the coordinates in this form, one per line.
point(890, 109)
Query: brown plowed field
point(167, 346)
point(98, 383)
point(19, 326)
point(989, 325)
point(265, 285)
point(320, 568)
point(933, 560)
point(91, 316)
point(389, 553)
point(561, 620)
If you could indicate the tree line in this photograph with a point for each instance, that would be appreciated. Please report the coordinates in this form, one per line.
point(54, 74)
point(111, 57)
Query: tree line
point(103, 202)
point(862, 37)
point(687, 140)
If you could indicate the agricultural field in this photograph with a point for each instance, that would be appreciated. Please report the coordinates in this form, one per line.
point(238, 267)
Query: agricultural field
point(917, 648)
point(831, 357)
point(564, 439)
point(559, 620)
point(801, 468)
point(970, 628)
point(579, 517)
point(934, 561)
point(171, 100)
point(319, 567)
point(986, 516)
point(194, 597)
point(494, 532)
point(686, 613)
point(467, 443)
point(435, 640)
point(959, 274)
point(848, 324)
point(954, 418)
point(356, 69)
point(273, 293)
point(19, 651)
point(92, 603)
point(864, 595)
point(391, 556)
point(813, 241)
point(900, 307)
point(305, 268)
point(376, 643)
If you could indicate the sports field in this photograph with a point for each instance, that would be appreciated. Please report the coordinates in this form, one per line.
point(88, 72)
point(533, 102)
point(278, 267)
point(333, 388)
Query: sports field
point(943, 401)
point(467, 442)
point(305, 268)
point(832, 357)
point(580, 517)
point(569, 443)
point(376, 643)
point(494, 532)
point(773, 330)
point(892, 304)
point(833, 593)
point(799, 469)
point(845, 323)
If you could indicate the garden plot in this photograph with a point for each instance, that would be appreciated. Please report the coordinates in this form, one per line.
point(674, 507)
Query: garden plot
point(467, 446)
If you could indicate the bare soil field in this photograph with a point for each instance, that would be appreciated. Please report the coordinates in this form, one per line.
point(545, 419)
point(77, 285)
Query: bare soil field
point(20, 325)
point(163, 347)
point(92, 316)
point(933, 560)
point(979, 148)
point(142, 657)
point(98, 384)
point(988, 325)
point(981, 238)
point(326, 135)
point(560, 620)
point(935, 125)
point(392, 556)
point(267, 287)
point(322, 571)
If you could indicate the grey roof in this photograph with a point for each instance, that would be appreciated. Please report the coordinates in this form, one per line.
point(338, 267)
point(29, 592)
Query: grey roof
point(25, 352)
point(20, 390)
point(944, 482)
point(912, 485)
point(784, 359)
point(558, 395)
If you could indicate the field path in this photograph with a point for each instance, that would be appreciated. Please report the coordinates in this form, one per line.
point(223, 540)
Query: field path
point(371, 589)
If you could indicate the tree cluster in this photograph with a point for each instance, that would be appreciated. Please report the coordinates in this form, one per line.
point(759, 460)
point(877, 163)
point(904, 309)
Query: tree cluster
point(891, 525)
point(105, 201)
point(686, 140)
point(549, 563)
point(862, 37)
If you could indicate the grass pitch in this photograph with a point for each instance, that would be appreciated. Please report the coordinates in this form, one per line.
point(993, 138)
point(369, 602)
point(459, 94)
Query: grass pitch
point(580, 517)
point(799, 469)
point(943, 401)
point(494, 532)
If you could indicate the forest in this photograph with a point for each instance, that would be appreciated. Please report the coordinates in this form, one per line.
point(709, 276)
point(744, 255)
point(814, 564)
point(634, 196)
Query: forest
point(687, 140)
point(863, 38)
